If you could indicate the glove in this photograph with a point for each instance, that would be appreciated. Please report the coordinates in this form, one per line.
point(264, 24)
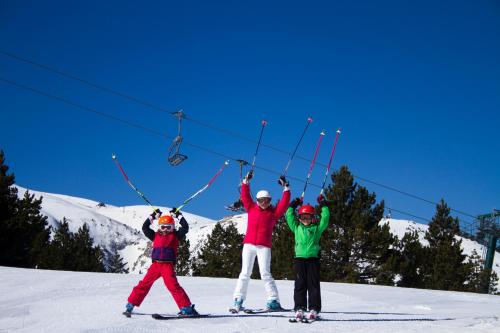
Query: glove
point(322, 201)
point(249, 175)
point(282, 181)
point(175, 212)
point(296, 203)
point(157, 213)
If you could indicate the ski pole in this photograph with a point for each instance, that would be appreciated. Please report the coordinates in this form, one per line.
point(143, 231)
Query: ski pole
point(330, 162)
point(203, 188)
point(321, 135)
point(309, 121)
point(130, 183)
point(264, 123)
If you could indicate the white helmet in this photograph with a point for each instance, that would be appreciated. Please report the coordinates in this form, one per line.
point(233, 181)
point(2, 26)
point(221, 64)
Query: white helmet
point(263, 194)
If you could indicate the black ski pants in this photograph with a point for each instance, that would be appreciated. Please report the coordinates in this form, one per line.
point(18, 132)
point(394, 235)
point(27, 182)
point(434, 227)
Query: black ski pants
point(307, 282)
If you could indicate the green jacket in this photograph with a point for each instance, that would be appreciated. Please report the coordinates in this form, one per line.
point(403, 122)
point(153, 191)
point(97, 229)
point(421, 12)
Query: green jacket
point(307, 238)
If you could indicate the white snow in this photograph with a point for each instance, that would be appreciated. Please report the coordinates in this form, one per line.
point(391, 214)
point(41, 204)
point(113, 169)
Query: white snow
point(59, 301)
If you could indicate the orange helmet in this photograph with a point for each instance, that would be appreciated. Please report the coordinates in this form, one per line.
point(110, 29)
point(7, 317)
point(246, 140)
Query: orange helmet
point(166, 219)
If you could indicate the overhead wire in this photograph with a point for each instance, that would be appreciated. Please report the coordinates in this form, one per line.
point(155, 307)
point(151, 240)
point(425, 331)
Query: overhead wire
point(204, 124)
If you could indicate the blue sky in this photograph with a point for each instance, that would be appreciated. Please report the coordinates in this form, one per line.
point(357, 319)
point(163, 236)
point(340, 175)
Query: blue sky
point(415, 87)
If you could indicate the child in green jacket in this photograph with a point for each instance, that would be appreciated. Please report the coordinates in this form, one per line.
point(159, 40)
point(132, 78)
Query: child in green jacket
point(307, 232)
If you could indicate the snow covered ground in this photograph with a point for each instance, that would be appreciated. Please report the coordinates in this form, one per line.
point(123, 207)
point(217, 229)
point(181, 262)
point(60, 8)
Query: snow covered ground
point(57, 301)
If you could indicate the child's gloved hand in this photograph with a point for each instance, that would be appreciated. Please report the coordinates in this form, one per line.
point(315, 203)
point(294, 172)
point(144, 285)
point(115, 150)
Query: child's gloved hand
point(175, 212)
point(296, 203)
point(322, 201)
point(156, 214)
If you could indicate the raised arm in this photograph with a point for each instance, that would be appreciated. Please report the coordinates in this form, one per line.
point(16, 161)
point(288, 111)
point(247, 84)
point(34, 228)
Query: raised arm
point(246, 198)
point(291, 220)
point(183, 230)
point(150, 234)
point(283, 203)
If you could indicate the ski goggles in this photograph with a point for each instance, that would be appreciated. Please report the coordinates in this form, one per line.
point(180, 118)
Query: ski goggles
point(263, 200)
point(166, 227)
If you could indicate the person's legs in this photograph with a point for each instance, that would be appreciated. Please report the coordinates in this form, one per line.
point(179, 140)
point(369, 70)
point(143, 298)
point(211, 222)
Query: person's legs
point(300, 287)
point(264, 260)
point(247, 260)
point(142, 288)
point(170, 280)
point(313, 284)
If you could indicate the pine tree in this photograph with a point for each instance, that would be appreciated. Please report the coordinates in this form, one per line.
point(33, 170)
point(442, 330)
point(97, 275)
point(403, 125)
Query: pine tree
point(23, 230)
point(355, 248)
point(283, 252)
point(412, 261)
point(220, 255)
point(115, 261)
point(183, 265)
point(60, 249)
point(445, 268)
point(480, 280)
point(87, 257)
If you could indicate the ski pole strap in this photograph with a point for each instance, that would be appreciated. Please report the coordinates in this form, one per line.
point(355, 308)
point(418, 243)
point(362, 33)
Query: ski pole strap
point(321, 135)
point(330, 161)
point(264, 123)
point(203, 188)
point(309, 121)
point(130, 183)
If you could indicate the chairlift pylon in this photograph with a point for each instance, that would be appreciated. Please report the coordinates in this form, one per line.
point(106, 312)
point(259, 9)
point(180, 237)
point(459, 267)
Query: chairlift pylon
point(174, 157)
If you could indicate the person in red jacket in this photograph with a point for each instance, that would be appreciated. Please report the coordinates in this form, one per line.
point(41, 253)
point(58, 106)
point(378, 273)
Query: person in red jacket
point(262, 217)
point(164, 255)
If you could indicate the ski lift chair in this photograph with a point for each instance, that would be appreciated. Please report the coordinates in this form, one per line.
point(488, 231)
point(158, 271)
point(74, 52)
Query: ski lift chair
point(174, 157)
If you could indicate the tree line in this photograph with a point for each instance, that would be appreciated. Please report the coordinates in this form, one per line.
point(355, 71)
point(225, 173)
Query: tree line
point(355, 248)
point(26, 239)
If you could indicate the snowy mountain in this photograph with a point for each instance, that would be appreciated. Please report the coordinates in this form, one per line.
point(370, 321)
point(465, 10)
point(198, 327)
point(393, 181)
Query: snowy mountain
point(122, 225)
point(58, 301)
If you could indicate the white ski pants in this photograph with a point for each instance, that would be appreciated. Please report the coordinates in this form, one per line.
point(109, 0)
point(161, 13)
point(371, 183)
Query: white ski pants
point(248, 255)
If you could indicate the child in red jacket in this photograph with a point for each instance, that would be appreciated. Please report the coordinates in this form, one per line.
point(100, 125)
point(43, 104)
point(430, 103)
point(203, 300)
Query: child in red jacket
point(262, 217)
point(164, 255)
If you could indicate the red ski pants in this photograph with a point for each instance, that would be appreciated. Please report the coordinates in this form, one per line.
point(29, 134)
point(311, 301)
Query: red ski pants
point(167, 272)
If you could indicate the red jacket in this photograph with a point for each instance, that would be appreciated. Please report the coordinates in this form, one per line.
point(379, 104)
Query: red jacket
point(261, 221)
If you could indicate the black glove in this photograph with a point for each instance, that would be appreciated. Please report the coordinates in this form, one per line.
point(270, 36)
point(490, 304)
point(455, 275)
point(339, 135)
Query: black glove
point(282, 181)
point(157, 213)
point(175, 212)
point(322, 201)
point(296, 203)
point(249, 175)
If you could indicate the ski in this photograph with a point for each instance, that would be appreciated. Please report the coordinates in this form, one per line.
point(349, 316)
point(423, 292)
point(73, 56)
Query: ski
point(303, 320)
point(254, 311)
point(158, 316)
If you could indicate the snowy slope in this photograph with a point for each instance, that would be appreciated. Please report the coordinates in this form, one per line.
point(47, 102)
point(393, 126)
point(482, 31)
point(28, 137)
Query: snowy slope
point(110, 224)
point(58, 301)
point(123, 225)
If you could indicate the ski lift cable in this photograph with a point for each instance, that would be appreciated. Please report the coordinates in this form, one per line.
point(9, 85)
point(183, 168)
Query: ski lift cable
point(87, 109)
point(157, 108)
point(129, 123)
point(157, 133)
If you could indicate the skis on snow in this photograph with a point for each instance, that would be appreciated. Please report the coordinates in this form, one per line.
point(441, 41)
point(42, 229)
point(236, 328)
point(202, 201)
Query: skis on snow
point(158, 316)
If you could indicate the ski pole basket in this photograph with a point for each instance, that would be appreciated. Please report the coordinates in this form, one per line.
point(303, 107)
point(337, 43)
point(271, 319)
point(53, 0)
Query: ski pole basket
point(174, 156)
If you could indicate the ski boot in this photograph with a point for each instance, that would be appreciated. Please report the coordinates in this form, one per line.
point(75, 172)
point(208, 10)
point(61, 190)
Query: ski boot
point(299, 314)
point(188, 311)
point(273, 305)
point(313, 315)
point(128, 310)
point(237, 306)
